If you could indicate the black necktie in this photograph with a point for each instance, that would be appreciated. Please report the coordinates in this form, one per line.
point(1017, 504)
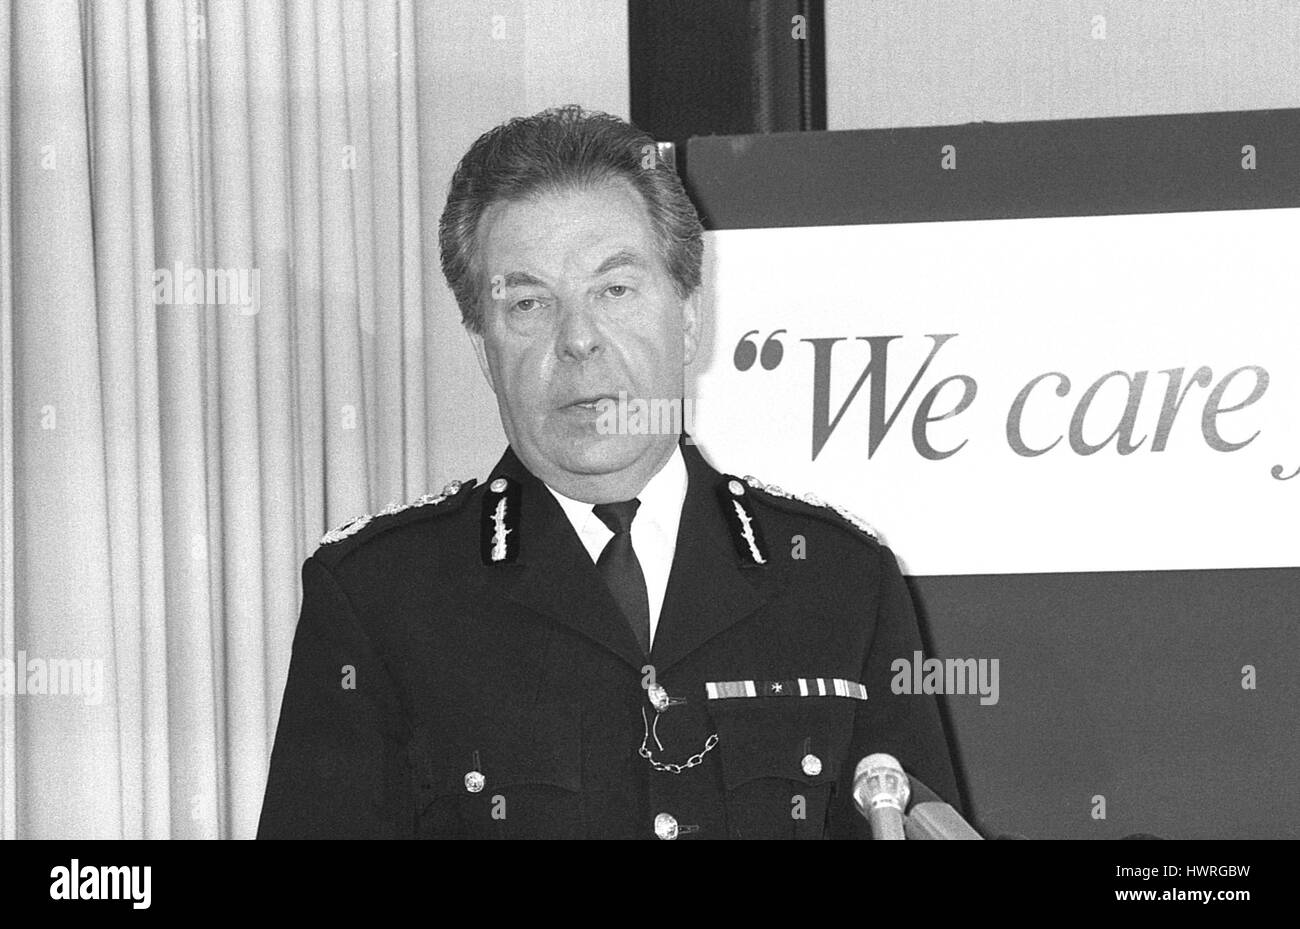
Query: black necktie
point(622, 572)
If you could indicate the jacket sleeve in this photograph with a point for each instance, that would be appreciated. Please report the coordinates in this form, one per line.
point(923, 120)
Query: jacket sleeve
point(906, 725)
point(338, 768)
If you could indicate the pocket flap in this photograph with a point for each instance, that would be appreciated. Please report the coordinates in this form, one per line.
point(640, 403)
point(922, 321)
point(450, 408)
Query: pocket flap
point(538, 745)
point(778, 738)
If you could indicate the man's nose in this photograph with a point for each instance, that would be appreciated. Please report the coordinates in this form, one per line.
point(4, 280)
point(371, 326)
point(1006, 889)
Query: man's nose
point(578, 337)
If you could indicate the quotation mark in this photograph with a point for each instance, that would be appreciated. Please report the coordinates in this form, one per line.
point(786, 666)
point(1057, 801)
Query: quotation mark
point(769, 357)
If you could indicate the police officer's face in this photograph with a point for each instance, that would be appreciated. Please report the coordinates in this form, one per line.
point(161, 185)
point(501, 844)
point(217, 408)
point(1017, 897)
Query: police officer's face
point(578, 306)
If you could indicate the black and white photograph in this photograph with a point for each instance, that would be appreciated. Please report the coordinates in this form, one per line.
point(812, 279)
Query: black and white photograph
point(650, 419)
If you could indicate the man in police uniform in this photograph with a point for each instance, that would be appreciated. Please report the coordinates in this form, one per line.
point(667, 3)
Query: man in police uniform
point(607, 638)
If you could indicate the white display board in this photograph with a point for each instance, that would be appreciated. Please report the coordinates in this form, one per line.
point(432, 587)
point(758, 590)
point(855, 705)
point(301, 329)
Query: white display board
point(1030, 395)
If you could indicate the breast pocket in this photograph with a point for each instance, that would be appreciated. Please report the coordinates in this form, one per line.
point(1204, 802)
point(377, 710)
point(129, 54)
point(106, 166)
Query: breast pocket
point(780, 763)
point(509, 776)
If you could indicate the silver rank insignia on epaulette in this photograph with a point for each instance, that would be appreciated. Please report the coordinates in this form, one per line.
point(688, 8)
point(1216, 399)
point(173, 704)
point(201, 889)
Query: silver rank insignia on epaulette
point(499, 529)
point(813, 500)
point(743, 523)
point(355, 525)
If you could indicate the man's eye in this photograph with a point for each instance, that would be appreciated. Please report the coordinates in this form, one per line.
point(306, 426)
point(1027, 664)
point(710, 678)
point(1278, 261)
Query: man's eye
point(617, 290)
point(527, 305)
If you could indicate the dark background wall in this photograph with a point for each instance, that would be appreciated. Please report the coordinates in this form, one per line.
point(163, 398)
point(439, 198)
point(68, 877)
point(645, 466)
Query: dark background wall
point(726, 67)
point(1127, 685)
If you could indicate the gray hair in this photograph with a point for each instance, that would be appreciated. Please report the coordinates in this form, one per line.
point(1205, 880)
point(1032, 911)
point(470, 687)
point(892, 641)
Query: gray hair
point(561, 148)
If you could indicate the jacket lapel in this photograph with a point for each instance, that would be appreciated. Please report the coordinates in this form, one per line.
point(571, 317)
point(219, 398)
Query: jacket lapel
point(553, 574)
point(708, 591)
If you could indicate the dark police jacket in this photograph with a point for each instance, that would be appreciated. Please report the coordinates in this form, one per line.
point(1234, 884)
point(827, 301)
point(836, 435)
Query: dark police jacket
point(461, 670)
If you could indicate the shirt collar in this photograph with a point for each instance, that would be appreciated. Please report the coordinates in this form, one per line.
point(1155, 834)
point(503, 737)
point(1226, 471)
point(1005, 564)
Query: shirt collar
point(661, 499)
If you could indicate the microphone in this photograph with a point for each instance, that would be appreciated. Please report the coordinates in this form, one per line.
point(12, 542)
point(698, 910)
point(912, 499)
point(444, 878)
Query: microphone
point(929, 817)
point(880, 793)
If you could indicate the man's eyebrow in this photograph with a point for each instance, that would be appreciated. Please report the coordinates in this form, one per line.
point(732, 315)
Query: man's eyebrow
point(521, 279)
point(624, 258)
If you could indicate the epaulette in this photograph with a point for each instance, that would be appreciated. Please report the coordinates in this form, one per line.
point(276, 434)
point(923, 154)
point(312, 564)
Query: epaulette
point(813, 500)
point(356, 524)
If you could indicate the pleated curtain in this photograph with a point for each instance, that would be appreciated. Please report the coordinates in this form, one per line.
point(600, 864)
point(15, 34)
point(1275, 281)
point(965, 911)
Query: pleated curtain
point(169, 455)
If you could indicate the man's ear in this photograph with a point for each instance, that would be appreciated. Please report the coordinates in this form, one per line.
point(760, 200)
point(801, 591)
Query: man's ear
point(691, 324)
point(480, 350)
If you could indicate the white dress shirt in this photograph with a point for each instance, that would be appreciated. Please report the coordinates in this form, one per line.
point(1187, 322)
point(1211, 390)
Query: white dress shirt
point(654, 528)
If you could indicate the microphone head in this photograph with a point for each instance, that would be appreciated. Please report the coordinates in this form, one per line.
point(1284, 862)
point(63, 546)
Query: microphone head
point(879, 781)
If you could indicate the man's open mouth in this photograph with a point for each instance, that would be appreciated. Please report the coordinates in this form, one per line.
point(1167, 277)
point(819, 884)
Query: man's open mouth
point(593, 403)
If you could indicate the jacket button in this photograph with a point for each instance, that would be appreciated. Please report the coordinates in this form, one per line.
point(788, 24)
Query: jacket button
point(658, 696)
point(812, 765)
point(474, 782)
point(666, 826)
